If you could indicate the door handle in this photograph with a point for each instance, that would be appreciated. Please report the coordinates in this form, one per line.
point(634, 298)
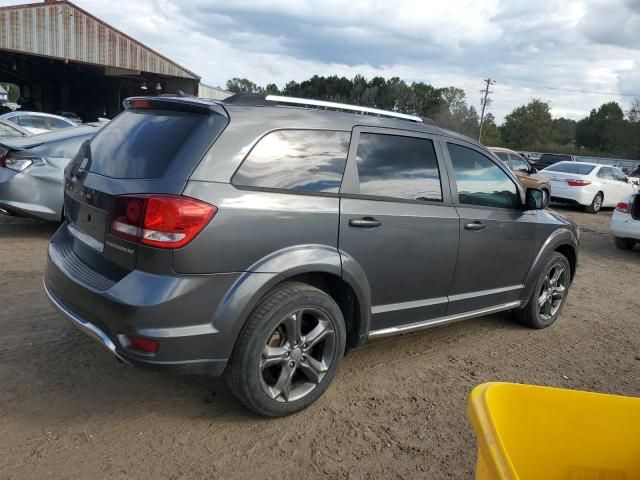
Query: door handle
point(475, 226)
point(366, 222)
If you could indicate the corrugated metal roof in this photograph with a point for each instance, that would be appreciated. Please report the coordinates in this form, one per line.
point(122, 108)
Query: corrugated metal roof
point(65, 31)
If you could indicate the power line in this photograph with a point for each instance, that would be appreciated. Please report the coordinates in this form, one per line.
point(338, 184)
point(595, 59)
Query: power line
point(485, 100)
point(529, 85)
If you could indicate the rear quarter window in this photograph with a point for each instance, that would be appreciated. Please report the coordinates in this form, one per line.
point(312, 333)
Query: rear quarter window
point(300, 160)
point(140, 143)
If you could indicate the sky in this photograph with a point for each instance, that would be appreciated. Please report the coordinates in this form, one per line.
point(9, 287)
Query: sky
point(585, 45)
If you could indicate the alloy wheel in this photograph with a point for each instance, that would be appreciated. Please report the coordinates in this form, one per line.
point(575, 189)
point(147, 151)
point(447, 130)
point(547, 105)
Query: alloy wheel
point(297, 355)
point(552, 292)
point(597, 203)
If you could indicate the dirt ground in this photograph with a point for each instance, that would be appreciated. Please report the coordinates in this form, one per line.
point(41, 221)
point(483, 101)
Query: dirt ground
point(397, 409)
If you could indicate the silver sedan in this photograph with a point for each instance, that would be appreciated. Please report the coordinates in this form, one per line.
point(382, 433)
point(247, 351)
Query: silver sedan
point(32, 171)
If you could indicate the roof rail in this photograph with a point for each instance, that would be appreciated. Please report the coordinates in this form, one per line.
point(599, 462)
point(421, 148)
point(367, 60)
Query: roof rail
point(342, 106)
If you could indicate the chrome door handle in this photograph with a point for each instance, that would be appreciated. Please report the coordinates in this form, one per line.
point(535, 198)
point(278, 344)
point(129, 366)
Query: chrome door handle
point(366, 222)
point(475, 226)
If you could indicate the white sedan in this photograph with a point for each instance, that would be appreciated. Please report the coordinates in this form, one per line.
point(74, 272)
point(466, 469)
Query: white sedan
point(589, 184)
point(625, 222)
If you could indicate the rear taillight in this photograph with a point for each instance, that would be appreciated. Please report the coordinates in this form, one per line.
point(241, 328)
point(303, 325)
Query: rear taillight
point(622, 207)
point(578, 183)
point(162, 221)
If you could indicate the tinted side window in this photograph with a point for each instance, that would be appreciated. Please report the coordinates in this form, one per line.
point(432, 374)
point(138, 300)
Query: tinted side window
point(519, 163)
point(398, 167)
point(55, 123)
point(301, 160)
point(503, 156)
point(605, 173)
point(32, 121)
point(480, 181)
point(619, 176)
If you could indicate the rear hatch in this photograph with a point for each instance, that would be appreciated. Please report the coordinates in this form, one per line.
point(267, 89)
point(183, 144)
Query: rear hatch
point(151, 148)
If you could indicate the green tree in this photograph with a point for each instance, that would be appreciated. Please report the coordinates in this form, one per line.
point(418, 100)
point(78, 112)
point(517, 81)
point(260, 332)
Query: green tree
point(242, 85)
point(633, 115)
point(528, 126)
point(563, 131)
point(604, 130)
point(271, 89)
point(490, 132)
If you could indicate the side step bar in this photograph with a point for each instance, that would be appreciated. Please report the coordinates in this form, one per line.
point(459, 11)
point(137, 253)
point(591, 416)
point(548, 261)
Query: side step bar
point(412, 327)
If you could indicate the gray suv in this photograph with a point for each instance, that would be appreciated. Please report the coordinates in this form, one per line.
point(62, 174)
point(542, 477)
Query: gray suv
point(262, 238)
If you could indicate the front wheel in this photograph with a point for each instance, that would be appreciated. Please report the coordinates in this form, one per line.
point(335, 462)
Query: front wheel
point(596, 203)
point(549, 294)
point(288, 352)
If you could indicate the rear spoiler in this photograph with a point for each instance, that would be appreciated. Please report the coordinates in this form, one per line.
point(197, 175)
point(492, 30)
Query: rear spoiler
point(175, 103)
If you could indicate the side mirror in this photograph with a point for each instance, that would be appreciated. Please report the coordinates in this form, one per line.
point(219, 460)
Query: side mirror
point(534, 199)
point(533, 169)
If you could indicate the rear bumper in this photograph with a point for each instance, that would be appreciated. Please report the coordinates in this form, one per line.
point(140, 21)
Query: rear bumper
point(177, 310)
point(624, 226)
point(30, 196)
point(574, 195)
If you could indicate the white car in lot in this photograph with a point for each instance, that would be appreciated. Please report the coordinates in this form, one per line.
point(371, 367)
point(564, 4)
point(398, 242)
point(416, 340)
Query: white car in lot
point(589, 184)
point(625, 222)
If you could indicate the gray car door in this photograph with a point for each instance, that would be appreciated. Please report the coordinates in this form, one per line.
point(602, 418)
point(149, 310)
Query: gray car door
point(497, 236)
point(398, 224)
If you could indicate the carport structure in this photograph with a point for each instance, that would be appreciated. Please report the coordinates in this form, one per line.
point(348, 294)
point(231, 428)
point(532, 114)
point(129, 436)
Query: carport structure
point(65, 59)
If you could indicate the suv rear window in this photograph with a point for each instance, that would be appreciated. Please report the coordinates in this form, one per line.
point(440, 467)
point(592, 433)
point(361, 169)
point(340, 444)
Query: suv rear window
point(300, 160)
point(571, 167)
point(140, 143)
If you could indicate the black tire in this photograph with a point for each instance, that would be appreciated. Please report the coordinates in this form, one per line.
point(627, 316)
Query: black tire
point(596, 203)
point(625, 243)
point(531, 315)
point(246, 373)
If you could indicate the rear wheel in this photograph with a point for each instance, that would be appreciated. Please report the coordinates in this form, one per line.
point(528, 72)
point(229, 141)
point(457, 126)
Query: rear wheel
point(596, 203)
point(549, 294)
point(288, 352)
point(625, 243)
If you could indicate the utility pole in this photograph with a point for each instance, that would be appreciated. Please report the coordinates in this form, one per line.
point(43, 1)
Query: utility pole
point(485, 101)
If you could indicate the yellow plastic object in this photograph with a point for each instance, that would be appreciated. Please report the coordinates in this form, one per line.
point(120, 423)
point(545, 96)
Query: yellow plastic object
point(528, 432)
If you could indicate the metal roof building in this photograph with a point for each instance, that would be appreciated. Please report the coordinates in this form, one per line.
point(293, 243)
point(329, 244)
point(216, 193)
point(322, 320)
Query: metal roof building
point(64, 58)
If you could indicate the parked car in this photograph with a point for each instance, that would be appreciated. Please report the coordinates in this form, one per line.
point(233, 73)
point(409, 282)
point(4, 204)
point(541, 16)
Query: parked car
point(11, 130)
point(547, 159)
point(526, 173)
point(37, 122)
point(530, 157)
point(32, 171)
point(588, 184)
point(634, 176)
point(71, 116)
point(625, 222)
point(262, 241)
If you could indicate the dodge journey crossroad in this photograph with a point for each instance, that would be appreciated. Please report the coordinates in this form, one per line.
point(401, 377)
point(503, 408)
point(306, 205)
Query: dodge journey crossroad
point(261, 238)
